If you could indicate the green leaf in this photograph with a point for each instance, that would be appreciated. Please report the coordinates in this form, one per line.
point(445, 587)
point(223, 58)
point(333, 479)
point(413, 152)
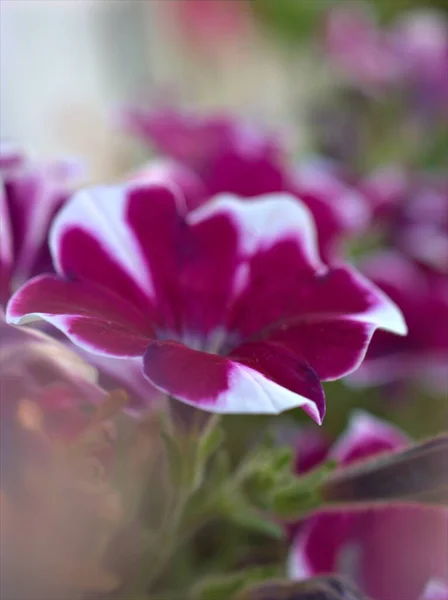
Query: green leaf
point(175, 458)
point(211, 439)
point(255, 521)
point(300, 494)
point(224, 587)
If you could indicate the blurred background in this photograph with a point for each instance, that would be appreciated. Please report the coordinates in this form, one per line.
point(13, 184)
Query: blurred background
point(67, 66)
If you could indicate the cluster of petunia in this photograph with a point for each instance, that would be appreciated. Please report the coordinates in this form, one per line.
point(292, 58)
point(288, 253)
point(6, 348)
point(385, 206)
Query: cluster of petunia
point(216, 276)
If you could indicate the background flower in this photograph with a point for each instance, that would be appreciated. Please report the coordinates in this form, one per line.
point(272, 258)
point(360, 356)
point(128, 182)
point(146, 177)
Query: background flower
point(391, 552)
point(31, 195)
point(217, 154)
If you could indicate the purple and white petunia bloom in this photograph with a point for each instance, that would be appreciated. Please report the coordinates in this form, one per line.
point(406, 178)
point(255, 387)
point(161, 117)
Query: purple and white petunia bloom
point(229, 305)
point(390, 551)
point(30, 196)
point(423, 298)
point(215, 154)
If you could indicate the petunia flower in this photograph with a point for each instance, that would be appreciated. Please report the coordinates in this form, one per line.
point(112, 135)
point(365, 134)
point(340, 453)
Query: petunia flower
point(30, 196)
point(389, 551)
point(229, 305)
point(215, 154)
point(423, 298)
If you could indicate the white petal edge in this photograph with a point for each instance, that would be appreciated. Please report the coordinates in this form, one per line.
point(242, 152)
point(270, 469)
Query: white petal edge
point(385, 315)
point(362, 425)
point(249, 392)
point(101, 212)
point(264, 220)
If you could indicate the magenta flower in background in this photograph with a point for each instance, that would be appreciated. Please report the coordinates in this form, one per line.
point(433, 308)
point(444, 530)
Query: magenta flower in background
point(229, 305)
point(361, 51)
point(423, 298)
point(30, 196)
point(421, 43)
point(412, 212)
point(411, 54)
point(390, 552)
point(214, 155)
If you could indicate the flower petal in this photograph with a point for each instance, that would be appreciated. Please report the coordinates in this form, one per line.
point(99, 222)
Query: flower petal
point(192, 263)
point(90, 241)
point(366, 435)
point(308, 555)
point(390, 552)
point(89, 315)
point(333, 348)
point(34, 193)
point(174, 173)
point(6, 249)
point(295, 295)
point(218, 384)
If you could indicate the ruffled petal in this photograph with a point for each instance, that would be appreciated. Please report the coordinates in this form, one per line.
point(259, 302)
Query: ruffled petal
point(222, 385)
point(89, 315)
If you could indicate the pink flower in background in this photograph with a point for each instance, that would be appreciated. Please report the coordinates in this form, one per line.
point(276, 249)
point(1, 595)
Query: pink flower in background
point(30, 196)
point(363, 53)
point(390, 552)
point(421, 42)
point(220, 155)
point(412, 211)
point(210, 26)
point(229, 305)
point(423, 298)
point(411, 54)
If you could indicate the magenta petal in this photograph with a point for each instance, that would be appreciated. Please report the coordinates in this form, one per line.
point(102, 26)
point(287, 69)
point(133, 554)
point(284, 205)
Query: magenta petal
point(6, 250)
point(295, 295)
point(365, 436)
point(89, 315)
point(218, 384)
point(310, 555)
point(90, 241)
point(403, 547)
point(287, 369)
point(192, 262)
point(390, 552)
point(333, 348)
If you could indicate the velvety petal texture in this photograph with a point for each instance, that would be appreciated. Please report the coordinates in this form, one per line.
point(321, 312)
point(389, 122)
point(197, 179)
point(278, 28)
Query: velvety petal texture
point(229, 305)
point(390, 552)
